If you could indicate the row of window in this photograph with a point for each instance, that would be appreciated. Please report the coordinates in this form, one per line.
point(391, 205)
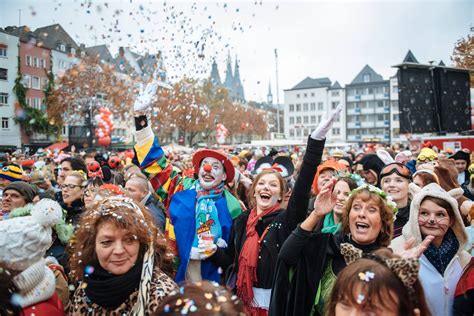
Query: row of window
point(36, 103)
point(368, 131)
point(298, 107)
point(305, 95)
point(368, 118)
point(368, 90)
point(35, 62)
point(367, 104)
point(307, 119)
point(35, 82)
point(299, 132)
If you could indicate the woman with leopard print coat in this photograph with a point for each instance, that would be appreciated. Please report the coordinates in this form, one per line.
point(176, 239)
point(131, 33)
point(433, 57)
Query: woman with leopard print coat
point(120, 261)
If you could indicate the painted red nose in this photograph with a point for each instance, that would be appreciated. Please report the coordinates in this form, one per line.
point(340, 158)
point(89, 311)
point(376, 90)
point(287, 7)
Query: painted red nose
point(207, 168)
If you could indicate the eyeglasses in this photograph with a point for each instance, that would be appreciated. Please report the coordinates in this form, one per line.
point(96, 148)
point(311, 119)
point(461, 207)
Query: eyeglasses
point(70, 186)
point(398, 168)
point(89, 192)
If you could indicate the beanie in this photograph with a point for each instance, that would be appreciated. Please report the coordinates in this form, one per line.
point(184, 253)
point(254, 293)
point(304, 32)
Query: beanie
point(11, 173)
point(372, 162)
point(25, 189)
point(24, 240)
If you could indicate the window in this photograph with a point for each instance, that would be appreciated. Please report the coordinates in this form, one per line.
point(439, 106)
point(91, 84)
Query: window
point(319, 119)
point(320, 106)
point(292, 132)
point(335, 93)
point(297, 95)
point(3, 50)
point(27, 81)
point(313, 106)
point(380, 117)
point(298, 107)
point(336, 131)
point(35, 82)
point(64, 130)
point(4, 122)
point(305, 120)
point(36, 103)
point(312, 94)
point(334, 105)
point(292, 120)
point(292, 107)
point(313, 119)
point(3, 98)
point(28, 60)
point(395, 89)
point(367, 78)
point(44, 83)
point(3, 74)
point(298, 132)
point(305, 106)
point(305, 95)
point(62, 47)
point(35, 62)
point(73, 51)
point(370, 90)
point(396, 117)
point(298, 120)
point(42, 63)
point(380, 104)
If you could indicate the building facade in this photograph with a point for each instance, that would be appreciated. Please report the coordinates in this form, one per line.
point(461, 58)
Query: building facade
point(310, 102)
point(10, 130)
point(368, 108)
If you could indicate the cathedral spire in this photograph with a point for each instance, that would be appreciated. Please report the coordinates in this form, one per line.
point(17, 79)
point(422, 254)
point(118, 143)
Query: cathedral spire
point(215, 78)
point(228, 74)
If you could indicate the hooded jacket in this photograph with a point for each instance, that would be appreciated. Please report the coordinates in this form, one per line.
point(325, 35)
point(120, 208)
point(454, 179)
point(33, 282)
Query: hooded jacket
point(439, 289)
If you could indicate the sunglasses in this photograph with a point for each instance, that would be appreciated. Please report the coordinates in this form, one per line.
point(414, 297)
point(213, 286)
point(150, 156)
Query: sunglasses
point(397, 168)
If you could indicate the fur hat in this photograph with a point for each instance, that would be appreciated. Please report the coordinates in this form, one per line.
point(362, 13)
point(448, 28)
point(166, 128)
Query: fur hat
point(412, 229)
point(12, 173)
point(24, 240)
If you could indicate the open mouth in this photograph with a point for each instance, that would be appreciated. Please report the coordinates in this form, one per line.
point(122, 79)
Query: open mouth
point(265, 197)
point(362, 227)
point(207, 177)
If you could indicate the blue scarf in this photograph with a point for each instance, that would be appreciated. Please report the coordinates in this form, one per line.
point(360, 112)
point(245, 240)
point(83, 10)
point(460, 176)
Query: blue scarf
point(442, 256)
point(208, 226)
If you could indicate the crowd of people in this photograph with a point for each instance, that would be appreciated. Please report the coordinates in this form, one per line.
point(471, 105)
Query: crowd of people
point(380, 231)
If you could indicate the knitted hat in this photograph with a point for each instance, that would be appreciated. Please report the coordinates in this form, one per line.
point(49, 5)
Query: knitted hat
point(24, 240)
point(434, 190)
point(329, 164)
point(12, 173)
point(25, 189)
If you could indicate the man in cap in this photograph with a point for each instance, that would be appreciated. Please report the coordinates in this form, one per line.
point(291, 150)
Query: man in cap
point(462, 160)
point(200, 213)
point(16, 194)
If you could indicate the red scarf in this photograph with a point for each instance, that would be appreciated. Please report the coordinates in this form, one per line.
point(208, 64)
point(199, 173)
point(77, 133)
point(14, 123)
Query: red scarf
point(248, 258)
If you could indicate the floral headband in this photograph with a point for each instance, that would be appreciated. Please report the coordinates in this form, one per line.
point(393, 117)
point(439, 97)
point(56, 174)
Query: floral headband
point(388, 199)
point(359, 181)
point(406, 269)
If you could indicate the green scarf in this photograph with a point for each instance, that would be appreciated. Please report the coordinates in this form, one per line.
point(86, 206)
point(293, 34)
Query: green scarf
point(329, 226)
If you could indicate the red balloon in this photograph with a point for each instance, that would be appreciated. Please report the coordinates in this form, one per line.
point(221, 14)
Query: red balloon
point(104, 141)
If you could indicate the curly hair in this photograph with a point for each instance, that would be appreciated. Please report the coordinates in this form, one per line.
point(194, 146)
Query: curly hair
point(126, 214)
point(386, 215)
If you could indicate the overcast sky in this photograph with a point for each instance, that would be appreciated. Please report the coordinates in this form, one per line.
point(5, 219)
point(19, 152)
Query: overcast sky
point(332, 39)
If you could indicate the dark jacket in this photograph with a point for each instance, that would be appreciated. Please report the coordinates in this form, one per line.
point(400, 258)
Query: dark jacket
point(157, 210)
point(306, 254)
point(401, 220)
point(282, 222)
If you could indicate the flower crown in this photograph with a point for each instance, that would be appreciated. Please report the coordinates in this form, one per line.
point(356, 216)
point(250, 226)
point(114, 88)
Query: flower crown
point(353, 176)
point(388, 199)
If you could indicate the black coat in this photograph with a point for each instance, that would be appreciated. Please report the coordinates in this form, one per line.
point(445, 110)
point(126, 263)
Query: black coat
point(282, 222)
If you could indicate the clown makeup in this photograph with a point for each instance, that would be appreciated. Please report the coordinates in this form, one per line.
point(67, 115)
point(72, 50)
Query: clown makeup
point(434, 220)
point(211, 173)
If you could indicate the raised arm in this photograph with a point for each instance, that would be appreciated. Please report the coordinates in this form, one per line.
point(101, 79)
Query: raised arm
point(297, 206)
point(150, 155)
